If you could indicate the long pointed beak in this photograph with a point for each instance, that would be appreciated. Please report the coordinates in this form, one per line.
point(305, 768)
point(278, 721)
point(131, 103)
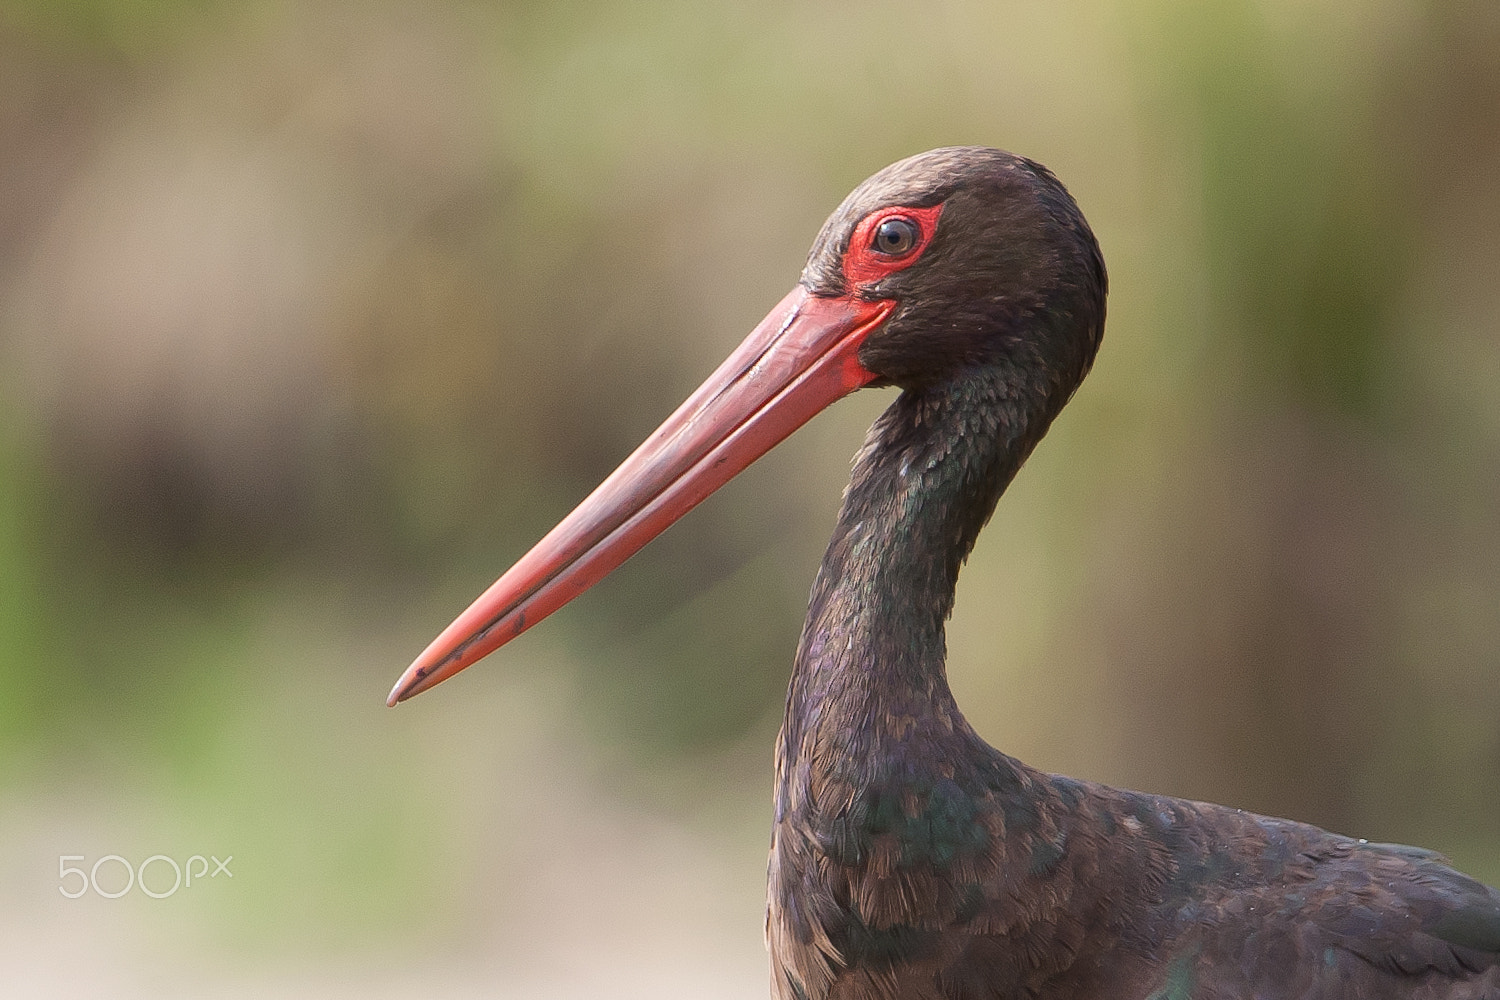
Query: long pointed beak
point(798, 360)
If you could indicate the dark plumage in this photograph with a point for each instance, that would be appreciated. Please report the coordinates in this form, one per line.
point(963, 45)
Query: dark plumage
point(909, 859)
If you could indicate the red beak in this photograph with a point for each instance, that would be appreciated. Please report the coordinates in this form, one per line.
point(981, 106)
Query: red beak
point(801, 358)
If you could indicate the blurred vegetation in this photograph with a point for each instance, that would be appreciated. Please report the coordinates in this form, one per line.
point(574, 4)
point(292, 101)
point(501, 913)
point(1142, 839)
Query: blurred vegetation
point(314, 316)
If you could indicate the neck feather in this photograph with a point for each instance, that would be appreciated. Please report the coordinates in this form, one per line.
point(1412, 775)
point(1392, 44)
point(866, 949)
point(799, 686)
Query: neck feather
point(870, 665)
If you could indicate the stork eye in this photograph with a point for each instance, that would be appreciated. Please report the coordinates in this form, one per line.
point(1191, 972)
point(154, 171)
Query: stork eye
point(895, 236)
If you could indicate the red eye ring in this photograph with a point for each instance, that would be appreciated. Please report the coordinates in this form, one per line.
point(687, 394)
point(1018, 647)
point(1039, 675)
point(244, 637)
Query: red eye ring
point(866, 262)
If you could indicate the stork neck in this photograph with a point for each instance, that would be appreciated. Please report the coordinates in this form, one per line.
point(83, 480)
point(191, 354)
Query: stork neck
point(872, 653)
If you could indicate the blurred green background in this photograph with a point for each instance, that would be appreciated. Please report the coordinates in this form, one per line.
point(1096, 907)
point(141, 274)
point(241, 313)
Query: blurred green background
point(313, 316)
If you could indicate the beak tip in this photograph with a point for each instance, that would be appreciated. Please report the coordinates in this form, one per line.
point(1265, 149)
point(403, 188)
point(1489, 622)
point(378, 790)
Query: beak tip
point(404, 689)
point(418, 677)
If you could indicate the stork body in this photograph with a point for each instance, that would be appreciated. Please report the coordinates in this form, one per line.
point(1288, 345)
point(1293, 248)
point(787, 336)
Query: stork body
point(909, 859)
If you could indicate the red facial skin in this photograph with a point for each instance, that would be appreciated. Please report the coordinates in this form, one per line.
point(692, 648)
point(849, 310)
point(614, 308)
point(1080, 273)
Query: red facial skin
point(864, 266)
point(803, 356)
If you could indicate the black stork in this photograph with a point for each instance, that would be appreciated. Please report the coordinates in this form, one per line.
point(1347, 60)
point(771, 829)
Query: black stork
point(909, 859)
